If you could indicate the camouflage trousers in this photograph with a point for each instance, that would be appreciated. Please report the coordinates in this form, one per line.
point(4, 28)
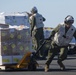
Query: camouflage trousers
point(56, 50)
point(37, 39)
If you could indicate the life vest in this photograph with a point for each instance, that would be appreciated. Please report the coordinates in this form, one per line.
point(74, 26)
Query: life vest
point(62, 39)
point(39, 20)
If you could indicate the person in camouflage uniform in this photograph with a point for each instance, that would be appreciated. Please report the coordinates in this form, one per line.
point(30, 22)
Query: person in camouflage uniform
point(61, 37)
point(37, 33)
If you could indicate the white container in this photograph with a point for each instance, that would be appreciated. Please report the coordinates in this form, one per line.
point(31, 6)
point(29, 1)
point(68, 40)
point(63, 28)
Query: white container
point(14, 19)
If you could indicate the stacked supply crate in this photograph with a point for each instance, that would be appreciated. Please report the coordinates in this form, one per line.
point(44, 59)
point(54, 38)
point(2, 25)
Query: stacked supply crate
point(23, 43)
point(5, 52)
point(14, 19)
point(15, 39)
point(14, 43)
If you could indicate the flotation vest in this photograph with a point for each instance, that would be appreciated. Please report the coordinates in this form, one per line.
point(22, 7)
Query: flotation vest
point(62, 39)
point(39, 20)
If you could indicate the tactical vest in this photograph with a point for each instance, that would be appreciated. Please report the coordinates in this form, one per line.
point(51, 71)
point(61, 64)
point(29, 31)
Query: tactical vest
point(39, 20)
point(63, 39)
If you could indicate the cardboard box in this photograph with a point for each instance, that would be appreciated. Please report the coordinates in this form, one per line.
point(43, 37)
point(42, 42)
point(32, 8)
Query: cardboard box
point(16, 58)
point(5, 60)
point(23, 35)
point(13, 47)
point(12, 34)
point(4, 49)
point(4, 26)
point(4, 34)
point(23, 47)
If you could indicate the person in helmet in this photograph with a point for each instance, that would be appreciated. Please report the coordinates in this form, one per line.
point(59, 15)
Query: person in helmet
point(61, 37)
point(37, 25)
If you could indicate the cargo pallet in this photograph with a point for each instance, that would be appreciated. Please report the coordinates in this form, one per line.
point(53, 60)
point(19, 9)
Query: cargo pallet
point(24, 63)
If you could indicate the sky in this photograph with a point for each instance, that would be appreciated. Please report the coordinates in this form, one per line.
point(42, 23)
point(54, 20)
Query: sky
point(54, 11)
